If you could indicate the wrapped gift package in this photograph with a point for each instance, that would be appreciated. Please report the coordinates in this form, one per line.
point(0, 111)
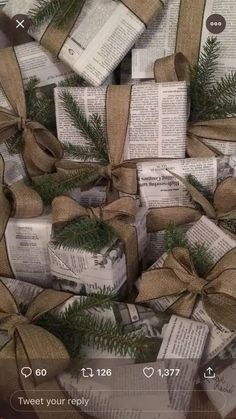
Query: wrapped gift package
point(104, 32)
point(34, 259)
point(174, 348)
point(79, 271)
point(157, 118)
point(161, 189)
point(172, 31)
point(34, 61)
point(218, 243)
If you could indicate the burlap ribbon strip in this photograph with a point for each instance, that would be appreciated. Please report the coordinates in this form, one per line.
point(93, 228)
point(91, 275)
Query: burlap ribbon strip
point(54, 38)
point(118, 214)
point(121, 177)
point(178, 278)
point(17, 201)
point(31, 345)
point(176, 68)
point(41, 148)
point(222, 209)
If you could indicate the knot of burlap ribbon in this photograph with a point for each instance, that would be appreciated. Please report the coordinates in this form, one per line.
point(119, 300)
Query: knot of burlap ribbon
point(30, 345)
point(178, 278)
point(55, 37)
point(223, 207)
point(19, 201)
point(176, 68)
point(41, 148)
point(119, 214)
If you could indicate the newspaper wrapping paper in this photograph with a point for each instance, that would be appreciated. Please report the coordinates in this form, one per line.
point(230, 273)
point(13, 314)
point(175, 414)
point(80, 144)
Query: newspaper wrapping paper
point(34, 61)
point(184, 26)
point(168, 198)
point(41, 148)
point(98, 37)
point(155, 123)
point(32, 258)
point(220, 339)
point(169, 333)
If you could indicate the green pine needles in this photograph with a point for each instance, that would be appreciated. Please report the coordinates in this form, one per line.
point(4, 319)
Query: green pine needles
point(80, 325)
point(211, 99)
point(52, 185)
point(201, 257)
point(92, 130)
point(201, 188)
point(86, 234)
point(63, 12)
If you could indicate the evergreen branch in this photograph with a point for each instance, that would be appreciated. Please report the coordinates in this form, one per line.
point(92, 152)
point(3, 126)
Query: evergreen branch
point(101, 301)
point(73, 80)
point(105, 334)
point(92, 130)
point(74, 329)
point(174, 237)
point(46, 10)
point(51, 186)
point(202, 259)
point(201, 188)
point(86, 234)
point(81, 152)
point(202, 76)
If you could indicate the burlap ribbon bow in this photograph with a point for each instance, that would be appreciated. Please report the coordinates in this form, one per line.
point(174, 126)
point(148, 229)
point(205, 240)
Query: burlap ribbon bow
point(32, 346)
point(121, 177)
point(175, 68)
point(18, 201)
point(178, 278)
point(118, 214)
point(41, 148)
point(223, 207)
point(54, 38)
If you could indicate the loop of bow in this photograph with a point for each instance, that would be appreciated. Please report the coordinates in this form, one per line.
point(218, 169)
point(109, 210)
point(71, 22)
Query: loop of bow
point(176, 68)
point(29, 344)
point(119, 214)
point(41, 148)
point(179, 279)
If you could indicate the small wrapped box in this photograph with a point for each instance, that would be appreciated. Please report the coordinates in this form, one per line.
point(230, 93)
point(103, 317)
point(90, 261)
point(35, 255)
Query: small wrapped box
point(220, 248)
point(34, 62)
point(81, 271)
point(172, 31)
point(100, 35)
point(168, 198)
point(33, 258)
point(174, 350)
point(153, 124)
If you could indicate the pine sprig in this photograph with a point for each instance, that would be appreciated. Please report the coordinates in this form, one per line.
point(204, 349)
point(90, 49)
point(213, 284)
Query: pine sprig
point(73, 80)
point(61, 10)
point(92, 130)
point(211, 98)
point(174, 237)
point(229, 225)
point(76, 327)
point(86, 234)
point(202, 76)
point(51, 186)
point(200, 255)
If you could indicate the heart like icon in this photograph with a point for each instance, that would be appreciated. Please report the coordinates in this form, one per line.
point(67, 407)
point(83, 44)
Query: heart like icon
point(148, 372)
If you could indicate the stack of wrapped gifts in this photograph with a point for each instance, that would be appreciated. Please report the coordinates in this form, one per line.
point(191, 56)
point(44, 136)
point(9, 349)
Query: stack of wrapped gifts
point(118, 209)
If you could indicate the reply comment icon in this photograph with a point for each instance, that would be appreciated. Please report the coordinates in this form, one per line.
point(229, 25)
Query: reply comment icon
point(26, 372)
